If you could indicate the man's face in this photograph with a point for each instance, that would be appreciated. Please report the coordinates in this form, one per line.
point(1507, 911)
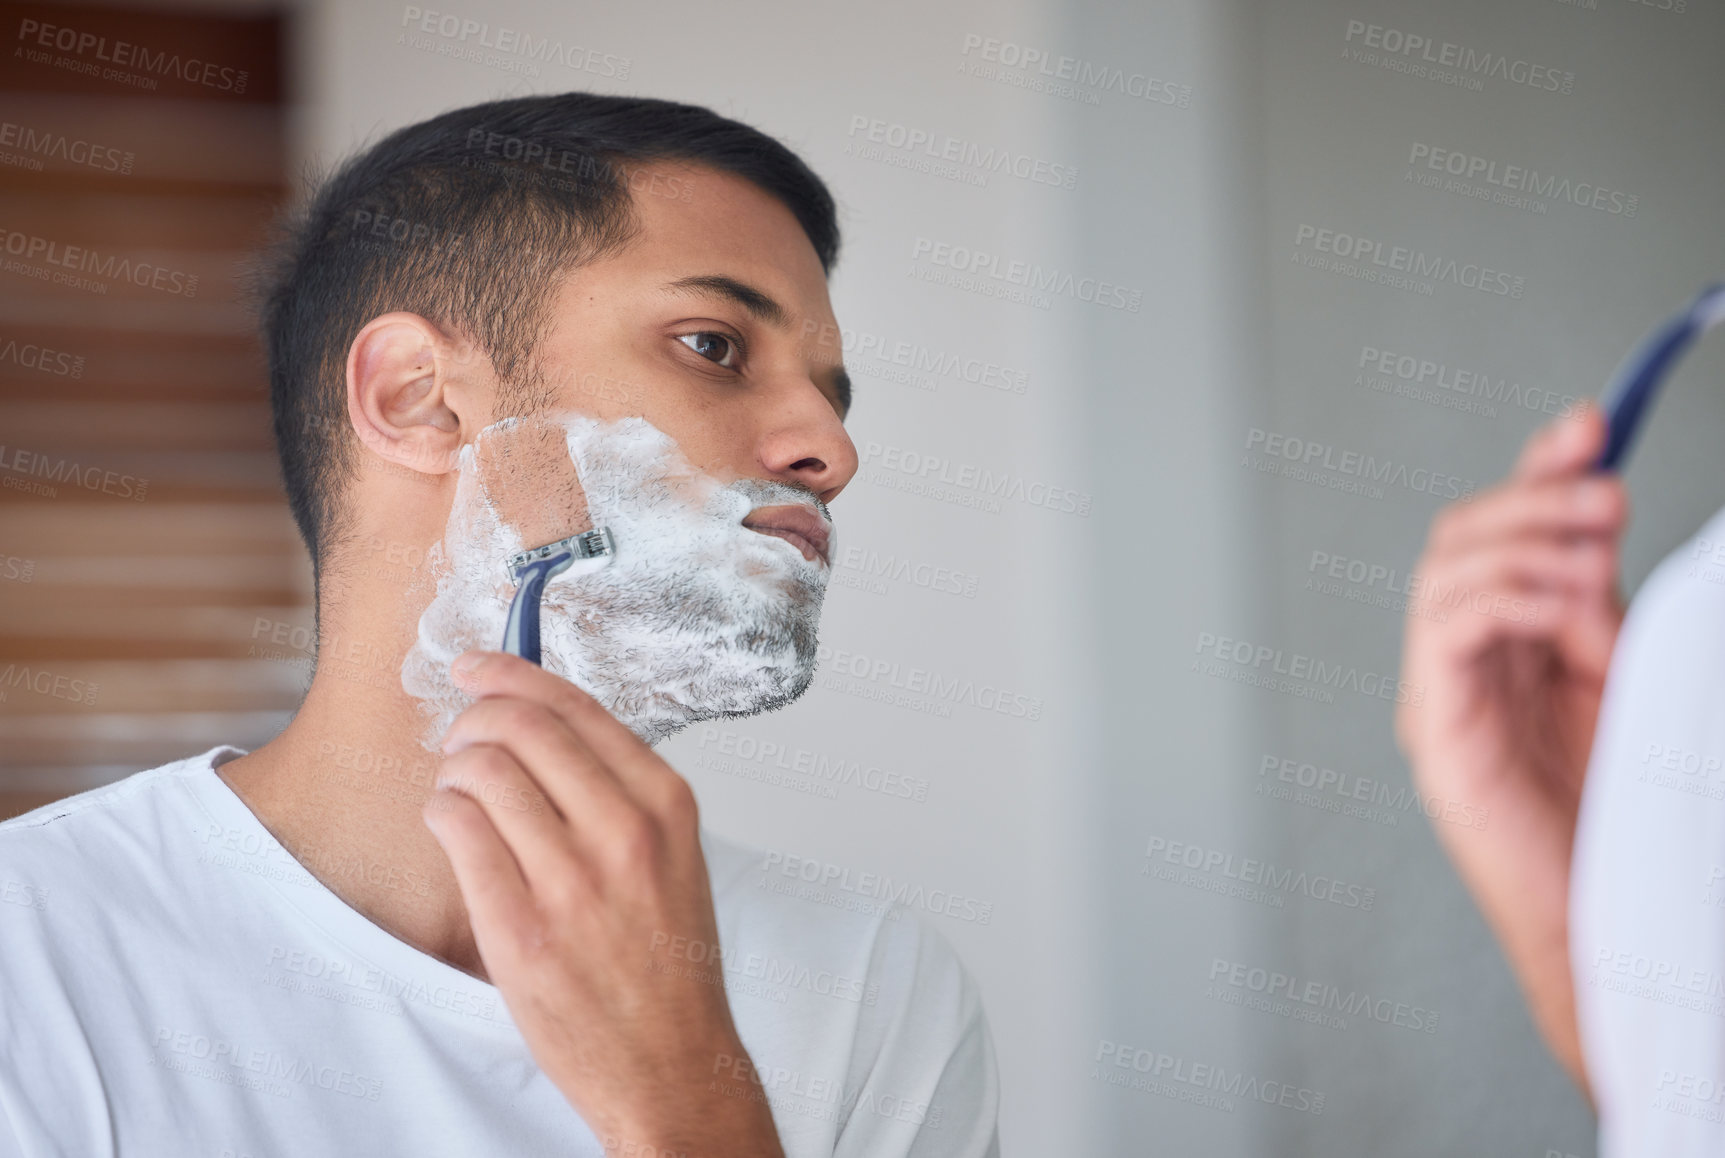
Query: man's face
point(658, 332)
point(696, 398)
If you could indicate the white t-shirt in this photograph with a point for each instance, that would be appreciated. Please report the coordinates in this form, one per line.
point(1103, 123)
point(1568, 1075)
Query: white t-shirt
point(172, 982)
point(1647, 891)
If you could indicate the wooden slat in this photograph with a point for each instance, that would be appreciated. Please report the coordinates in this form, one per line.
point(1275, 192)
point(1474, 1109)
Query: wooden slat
point(249, 43)
point(76, 629)
point(59, 427)
point(198, 318)
point(149, 528)
point(84, 364)
point(156, 146)
point(70, 754)
point(141, 687)
point(111, 220)
point(129, 273)
point(137, 632)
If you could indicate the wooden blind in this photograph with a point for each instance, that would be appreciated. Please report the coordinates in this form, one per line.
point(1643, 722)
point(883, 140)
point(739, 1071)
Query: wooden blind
point(153, 594)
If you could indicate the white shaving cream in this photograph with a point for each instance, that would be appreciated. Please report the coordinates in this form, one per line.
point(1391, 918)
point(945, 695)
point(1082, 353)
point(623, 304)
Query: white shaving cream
point(696, 616)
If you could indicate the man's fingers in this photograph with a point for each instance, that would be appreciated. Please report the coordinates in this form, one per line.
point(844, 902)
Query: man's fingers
point(641, 771)
point(584, 788)
point(1518, 610)
point(1589, 505)
point(529, 823)
point(1529, 589)
point(1567, 564)
point(1568, 446)
point(1588, 636)
point(499, 904)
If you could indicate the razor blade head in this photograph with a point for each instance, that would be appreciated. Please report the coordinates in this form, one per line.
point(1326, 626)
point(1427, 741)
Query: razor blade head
point(559, 556)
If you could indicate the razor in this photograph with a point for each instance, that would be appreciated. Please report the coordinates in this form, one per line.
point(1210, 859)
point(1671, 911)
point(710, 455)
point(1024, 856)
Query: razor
point(531, 570)
point(1636, 384)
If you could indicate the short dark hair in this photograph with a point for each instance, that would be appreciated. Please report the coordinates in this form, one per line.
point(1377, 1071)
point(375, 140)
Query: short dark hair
point(470, 219)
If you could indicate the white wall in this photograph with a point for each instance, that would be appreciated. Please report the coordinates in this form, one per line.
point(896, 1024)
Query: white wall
point(1194, 206)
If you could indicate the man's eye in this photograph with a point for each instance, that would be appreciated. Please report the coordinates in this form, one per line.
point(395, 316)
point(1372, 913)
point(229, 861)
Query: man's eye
point(714, 347)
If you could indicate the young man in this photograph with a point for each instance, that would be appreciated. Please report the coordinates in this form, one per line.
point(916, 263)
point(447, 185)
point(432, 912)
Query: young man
point(464, 908)
point(1597, 743)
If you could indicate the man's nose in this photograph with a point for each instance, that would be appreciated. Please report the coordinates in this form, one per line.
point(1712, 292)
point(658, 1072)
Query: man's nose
point(806, 443)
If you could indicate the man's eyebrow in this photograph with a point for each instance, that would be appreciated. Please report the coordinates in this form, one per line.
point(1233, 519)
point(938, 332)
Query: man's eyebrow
point(763, 306)
point(760, 304)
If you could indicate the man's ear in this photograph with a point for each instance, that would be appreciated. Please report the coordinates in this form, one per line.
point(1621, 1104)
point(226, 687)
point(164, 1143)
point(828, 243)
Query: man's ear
point(407, 394)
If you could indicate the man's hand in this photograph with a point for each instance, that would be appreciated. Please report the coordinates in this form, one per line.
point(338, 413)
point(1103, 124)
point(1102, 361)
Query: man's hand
point(576, 849)
point(1511, 634)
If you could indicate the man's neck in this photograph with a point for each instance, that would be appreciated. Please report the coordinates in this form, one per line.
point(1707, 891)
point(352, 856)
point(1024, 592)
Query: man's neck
point(342, 789)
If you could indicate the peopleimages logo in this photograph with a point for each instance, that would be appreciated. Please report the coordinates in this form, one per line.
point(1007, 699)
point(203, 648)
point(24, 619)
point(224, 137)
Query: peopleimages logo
point(831, 344)
point(1350, 466)
point(770, 970)
point(1690, 1088)
point(343, 976)
point(816, 766)
point(80, 259)
point(39, 143)
point(1661, 980)
point(1412, 46)
point(32, 464)
point(974, 481)
point(1271, 988)
point(1426, 378)
point(875, 887)
point(1361, 796)
point(1250, 872)
point(46, 683)
point(1199, 1083)
point(1405, 261)
point(123, 55)
point(873, 566)
point(922, 681)
point(927, 144)
point(980, 264)
point(1298, 666)
point(31, 356)
point(270, 1063)
point(1517, 179)
point(1070, 77)
point(478, 37)
point(803, 1095)
point(1379, 585)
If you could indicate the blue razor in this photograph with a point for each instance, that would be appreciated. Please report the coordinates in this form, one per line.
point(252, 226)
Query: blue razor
point(531, 570)
point(1631, 392)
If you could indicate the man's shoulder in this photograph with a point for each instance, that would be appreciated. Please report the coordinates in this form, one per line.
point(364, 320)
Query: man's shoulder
point(101, 832)
point(1690, 580)
point(758, 890)
point(841, 976)
point(800, 909)
point(1678, 613)
point(89, 882)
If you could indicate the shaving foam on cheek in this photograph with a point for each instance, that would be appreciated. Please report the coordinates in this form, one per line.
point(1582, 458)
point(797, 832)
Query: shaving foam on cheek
point(696, 616)
point(463, 614)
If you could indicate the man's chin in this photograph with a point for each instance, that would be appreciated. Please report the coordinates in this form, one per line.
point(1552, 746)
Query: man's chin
point(670, 717)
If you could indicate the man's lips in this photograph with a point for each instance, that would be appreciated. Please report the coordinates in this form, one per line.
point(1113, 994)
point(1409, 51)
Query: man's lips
point(802, 527)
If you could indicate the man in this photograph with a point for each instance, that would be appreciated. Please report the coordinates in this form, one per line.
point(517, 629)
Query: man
point(1597, 743)
point(378, 934)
